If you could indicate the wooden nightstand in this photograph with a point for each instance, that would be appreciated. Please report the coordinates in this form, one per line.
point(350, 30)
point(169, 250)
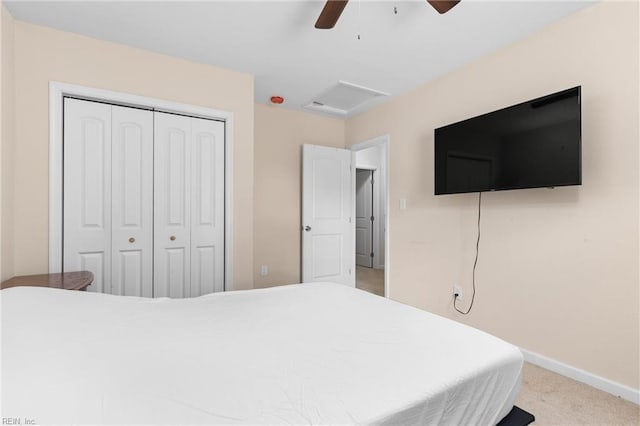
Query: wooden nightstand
point(65, 280)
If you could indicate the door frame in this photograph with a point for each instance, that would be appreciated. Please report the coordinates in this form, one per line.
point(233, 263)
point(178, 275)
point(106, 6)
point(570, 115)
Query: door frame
point(383, 143)
point(57, 92)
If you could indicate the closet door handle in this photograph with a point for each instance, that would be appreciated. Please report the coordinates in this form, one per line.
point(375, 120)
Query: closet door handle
point(132, 240)
point(172, 238)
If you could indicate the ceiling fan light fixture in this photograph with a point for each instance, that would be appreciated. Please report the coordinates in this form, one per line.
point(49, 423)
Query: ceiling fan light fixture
point(333, 9)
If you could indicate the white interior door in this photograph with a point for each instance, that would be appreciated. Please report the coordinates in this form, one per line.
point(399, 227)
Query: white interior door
point(364, 218)
point(132, 202)
point(172, 205)
point(207, 201)
point(87, 191)
point(328, 252)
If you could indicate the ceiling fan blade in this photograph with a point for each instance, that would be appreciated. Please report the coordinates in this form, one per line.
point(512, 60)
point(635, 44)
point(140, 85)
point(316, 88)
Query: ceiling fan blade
point(330, 14)
point(443, 6)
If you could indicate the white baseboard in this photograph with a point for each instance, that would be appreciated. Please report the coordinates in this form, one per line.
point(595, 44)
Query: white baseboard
point(606, 385)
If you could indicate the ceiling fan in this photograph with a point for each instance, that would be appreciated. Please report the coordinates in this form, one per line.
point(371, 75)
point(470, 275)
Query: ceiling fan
point(333, 9)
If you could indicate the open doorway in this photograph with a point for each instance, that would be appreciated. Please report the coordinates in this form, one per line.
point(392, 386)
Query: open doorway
point(368, 277)
point(370, 171)
point(364, 217)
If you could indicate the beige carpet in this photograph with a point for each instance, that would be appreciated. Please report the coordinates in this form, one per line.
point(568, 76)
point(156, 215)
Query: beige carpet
point(371, 280)
point(557, 400)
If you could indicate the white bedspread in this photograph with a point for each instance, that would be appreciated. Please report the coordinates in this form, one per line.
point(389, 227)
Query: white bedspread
point(299, 354)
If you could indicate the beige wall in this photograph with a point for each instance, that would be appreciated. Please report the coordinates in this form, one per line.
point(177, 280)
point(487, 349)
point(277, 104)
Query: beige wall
point(43, 54)
point(558, 269)
point(279, 135)
point(7, 146)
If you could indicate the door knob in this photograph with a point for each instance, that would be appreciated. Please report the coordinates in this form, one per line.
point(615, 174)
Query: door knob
point(172, 238)
point(307, 228)
point(132, 240)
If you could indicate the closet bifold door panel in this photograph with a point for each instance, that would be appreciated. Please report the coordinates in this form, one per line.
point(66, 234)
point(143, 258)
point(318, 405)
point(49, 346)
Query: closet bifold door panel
point(87, 191)
point(132, 202)
point(172, 205)
point(207, 211)
point(188, 206)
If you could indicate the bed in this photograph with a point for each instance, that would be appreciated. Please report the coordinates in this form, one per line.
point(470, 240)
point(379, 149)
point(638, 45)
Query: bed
point(319, 353)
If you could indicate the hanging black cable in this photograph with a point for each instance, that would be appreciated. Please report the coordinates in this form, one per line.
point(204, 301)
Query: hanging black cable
point(475, 263)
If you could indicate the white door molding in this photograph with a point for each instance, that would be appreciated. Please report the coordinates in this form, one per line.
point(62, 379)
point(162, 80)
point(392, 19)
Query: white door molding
point(57, 92)
point(382, 142)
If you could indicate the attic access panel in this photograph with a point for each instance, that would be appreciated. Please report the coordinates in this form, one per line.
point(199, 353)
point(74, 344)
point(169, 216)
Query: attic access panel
point(343, 97)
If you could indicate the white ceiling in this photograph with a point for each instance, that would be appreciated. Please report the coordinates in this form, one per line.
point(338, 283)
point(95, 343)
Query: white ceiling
point(278, 44)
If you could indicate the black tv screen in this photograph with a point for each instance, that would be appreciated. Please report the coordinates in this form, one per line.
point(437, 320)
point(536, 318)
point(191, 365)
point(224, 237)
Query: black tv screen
point(530, 145)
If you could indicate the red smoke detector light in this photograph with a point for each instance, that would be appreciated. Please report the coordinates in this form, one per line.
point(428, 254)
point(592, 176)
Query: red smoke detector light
point(277, 100)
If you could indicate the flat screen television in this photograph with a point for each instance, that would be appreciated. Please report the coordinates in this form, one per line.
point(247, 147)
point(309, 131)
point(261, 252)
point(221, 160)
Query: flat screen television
point(534, 144)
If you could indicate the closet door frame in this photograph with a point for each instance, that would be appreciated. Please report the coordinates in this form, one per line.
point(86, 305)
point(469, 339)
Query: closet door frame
point(58, 91)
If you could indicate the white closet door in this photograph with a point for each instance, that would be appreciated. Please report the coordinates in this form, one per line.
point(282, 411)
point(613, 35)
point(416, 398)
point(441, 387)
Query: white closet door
point(207, 207)
point(172, 205)
point(132, 202)
point(87, 191)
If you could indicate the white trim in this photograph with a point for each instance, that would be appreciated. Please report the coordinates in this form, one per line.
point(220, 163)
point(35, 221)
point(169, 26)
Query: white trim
point(55, 178)
point(228, 203)
point(58, 90)
point(582, 376)
point(382, 141)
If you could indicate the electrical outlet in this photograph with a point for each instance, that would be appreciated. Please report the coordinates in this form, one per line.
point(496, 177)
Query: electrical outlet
point(264, 270)
point(458, 290)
